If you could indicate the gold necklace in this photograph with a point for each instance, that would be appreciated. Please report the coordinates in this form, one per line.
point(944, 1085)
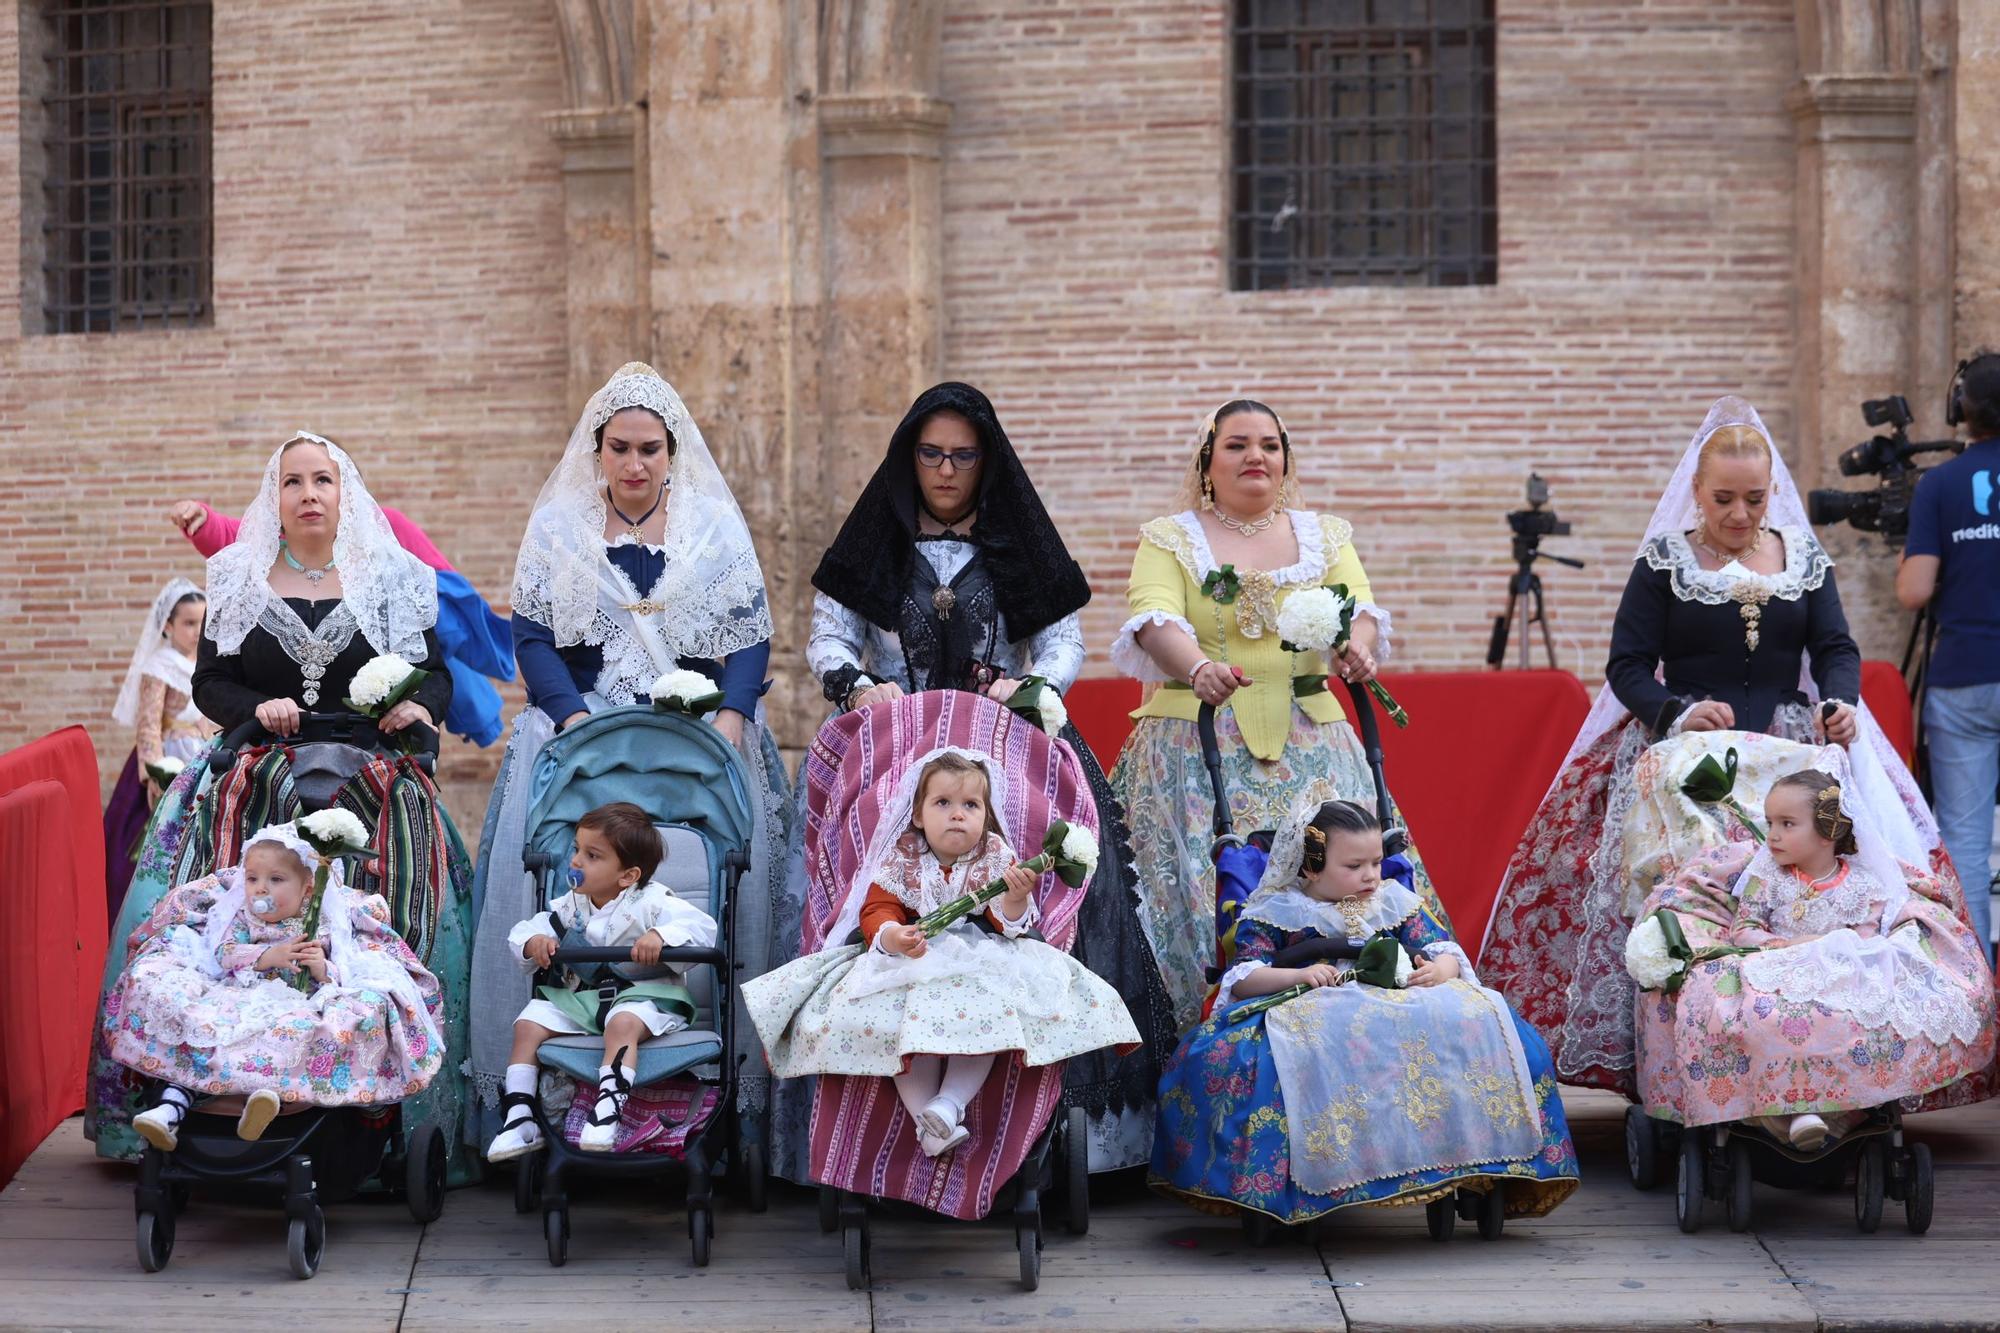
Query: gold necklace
point(1756, 545)
point(1354, 911)
point(1248, 527)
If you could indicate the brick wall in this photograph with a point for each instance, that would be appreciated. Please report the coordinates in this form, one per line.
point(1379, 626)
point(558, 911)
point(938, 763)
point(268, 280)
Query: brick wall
point(388, 224)
point(1646, 240)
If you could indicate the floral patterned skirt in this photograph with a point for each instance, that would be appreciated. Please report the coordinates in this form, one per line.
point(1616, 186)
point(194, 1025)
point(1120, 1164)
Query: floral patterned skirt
point(1224, 1140)
point(1170, 806)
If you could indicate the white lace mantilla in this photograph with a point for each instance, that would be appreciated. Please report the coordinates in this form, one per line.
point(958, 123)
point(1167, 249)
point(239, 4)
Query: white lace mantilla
point(1806, 563)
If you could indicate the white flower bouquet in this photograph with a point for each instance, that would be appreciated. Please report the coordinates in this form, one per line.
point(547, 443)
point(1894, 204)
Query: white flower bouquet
point(1321, 620)
point(1659, 957)
point(687, 692)
point(1038, 701)
point(164, 770)
point(1068, 849)
point(382, 683)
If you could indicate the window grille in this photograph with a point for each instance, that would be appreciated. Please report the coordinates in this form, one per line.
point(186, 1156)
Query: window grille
point(126, 211)
point(1363, 144)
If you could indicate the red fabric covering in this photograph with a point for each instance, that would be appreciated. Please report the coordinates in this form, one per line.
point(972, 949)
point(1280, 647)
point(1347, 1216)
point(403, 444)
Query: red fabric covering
point(1468, 772)
point(1882, 689)
point(1466, 804)
point(52, 935)
point(220, 530)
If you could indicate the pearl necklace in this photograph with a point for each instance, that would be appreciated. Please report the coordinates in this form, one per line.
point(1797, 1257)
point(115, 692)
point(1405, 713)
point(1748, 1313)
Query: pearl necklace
point(1249, 527)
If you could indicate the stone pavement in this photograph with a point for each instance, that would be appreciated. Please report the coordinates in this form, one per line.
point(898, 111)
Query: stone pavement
point(1609, 1258)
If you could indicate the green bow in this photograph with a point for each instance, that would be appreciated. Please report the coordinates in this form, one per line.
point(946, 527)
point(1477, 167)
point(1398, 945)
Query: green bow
point(1222, 584)
point(1712, 783)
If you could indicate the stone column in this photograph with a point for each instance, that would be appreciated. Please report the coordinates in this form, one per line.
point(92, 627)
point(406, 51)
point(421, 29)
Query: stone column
point(1855, 109)
point(602, 131)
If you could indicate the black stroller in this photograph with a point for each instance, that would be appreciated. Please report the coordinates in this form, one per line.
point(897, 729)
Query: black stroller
point(319, 1155)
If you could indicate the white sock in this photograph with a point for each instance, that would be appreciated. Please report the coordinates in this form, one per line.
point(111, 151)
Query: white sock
point(609, 1100)
point(520, 1078)
point(919, 1083)
point(964, 1075)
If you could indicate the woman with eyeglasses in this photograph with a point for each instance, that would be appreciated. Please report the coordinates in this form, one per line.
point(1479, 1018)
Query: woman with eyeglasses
point(949, 575)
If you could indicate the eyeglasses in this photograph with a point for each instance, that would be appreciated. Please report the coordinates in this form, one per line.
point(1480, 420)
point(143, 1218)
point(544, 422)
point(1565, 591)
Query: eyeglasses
point(962, 460)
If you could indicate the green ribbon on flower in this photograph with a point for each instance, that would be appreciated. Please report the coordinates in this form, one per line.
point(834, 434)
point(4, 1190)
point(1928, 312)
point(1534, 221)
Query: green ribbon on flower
point(1072, 873)
point(1677, 941)
point(1713, 783)
point(699, 706)
point(1026, 701)
point(1224, 584)
point(328, 849)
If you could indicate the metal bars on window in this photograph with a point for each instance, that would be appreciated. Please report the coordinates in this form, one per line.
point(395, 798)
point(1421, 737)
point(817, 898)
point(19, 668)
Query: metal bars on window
point(1363, 144)
point(127, 231)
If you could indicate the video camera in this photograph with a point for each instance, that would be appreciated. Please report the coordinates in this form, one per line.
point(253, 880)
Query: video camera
point(1536, 522)
point(1886, 509)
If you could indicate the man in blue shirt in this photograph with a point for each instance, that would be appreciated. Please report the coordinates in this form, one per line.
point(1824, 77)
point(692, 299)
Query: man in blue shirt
point(1951, 559)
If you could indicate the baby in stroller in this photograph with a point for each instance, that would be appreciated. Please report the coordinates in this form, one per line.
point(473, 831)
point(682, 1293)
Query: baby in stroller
point(1353, 1058)
point(932, 1007)
point(243, 985)
point(1799, 988)
point(613, 901)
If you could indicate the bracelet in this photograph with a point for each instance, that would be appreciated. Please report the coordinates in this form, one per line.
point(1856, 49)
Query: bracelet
point(1195, 670)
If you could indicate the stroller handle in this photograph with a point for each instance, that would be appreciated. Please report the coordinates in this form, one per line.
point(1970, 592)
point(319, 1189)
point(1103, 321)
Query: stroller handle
point(356, 729)
point(681, 954)
point(1371, 743)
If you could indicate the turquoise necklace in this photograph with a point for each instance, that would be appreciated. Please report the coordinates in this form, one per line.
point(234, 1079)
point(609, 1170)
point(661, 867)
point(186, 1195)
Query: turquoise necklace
point(313, 576)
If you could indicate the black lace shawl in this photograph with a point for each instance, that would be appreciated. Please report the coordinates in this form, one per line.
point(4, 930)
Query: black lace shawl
point(867, 569)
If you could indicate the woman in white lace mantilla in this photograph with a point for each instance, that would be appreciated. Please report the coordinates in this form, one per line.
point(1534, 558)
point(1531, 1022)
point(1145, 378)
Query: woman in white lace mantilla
point(636, 561)
point(1865, 985)
point(1730, 621)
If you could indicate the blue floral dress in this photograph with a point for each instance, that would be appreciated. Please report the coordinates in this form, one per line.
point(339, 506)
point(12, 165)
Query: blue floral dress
point(1393, 1083)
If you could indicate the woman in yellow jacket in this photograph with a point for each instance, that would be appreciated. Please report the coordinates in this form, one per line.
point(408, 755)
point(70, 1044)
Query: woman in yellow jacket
point(1205, 591)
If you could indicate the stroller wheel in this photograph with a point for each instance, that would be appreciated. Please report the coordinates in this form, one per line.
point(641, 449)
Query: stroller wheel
point(1920, 1193)
point(305, 1243)
point(1691, 1183)
point(756, 1178)
point(156, 1240)
point(528, 1182)
point(1741, 1202)
point(555, 1230)
point(1258, 1228)
point(423, 1174)
point(1868, 1184)
point(1076, 1170)
point(854, 1248)
point(1441, 1217)
point(1642, 1149)
point(1029, 1242)
point(1493, 1212)
point(829, 1210)
point(701, 1231)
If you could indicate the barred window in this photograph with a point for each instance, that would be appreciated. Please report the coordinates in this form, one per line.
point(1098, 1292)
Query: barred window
point(125, 219)
point(1363, 144)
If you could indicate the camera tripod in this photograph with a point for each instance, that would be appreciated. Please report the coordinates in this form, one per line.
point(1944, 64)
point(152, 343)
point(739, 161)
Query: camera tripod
point(1525, 603)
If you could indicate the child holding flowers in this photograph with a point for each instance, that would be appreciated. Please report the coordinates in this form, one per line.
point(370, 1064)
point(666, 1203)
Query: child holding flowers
point(933, 970)
point(273, 982)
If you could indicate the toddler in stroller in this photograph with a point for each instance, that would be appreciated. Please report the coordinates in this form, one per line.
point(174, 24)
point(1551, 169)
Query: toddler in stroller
point(1804, 992)
point(939, 1029)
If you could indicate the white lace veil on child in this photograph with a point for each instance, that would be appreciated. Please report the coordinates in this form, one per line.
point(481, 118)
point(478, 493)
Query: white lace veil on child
point(153, 655)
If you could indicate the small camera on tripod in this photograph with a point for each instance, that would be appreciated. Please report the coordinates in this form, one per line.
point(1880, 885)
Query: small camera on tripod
point(1886, 509)
point(1524, 587)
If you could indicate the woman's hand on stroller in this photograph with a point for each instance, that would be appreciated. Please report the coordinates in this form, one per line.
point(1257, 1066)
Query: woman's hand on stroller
point(541, 950)
point(1020, 883)
point(730, 723)
point(909, 941)
point(1213, 682)
point(1000, 691)
point(1433, 972)
point(1709, 715)
point(646, 949)
point(403, 714)
point(280, 717)
point(887, 691)
point(1841, 724)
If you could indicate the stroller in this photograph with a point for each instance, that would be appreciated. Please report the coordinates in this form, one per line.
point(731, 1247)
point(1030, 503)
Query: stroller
point(863, 1150)
point(1722, 1161)
point(323, 1154)
point(1239, 865)
point(682, 772)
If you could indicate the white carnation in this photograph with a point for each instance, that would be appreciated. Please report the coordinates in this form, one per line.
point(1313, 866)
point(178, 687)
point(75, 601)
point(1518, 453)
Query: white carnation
point(1055, 714)
point(328, 827)
point(682, 686)
point(1404, 967)
point(169, 765)
point(1647, 957)
point(1310, 619)
point(379, 678)
point(1079, 846)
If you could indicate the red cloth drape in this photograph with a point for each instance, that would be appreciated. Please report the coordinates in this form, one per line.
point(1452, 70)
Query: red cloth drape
point(52, 935)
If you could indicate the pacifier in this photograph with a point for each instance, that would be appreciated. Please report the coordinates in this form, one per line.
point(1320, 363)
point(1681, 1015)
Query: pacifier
point(575, 878)
point(263, 904)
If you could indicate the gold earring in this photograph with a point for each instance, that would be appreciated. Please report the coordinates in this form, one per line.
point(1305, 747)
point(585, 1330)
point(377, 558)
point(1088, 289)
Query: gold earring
point(1207, 492)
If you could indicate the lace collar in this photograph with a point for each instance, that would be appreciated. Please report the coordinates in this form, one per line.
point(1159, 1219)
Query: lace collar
point(918, 879)
point(1796, 908)
point(1806, 563)
point(1292, 908)
point(1188, 541)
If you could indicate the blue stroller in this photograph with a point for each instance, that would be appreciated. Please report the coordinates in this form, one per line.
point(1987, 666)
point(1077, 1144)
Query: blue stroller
point(686, 776)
